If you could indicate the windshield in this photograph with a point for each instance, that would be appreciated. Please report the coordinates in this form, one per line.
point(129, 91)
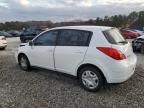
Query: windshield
point(114, 36)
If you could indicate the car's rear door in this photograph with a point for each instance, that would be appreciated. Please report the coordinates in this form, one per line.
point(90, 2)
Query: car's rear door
point(70, 50)
point(41, 53)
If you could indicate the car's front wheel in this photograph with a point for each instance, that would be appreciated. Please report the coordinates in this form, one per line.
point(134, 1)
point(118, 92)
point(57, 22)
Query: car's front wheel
point(90, 78)
point(24, 62)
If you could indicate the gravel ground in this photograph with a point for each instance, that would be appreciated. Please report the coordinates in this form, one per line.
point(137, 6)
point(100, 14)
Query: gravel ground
point(47, 89)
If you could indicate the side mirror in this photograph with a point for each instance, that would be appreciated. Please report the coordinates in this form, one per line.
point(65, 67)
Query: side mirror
point(31, 43)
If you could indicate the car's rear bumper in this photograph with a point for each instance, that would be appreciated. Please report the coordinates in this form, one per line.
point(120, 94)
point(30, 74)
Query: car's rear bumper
point(123, 71)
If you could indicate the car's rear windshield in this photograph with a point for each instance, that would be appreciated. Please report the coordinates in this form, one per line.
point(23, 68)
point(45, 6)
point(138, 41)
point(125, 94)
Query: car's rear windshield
point(114, 36)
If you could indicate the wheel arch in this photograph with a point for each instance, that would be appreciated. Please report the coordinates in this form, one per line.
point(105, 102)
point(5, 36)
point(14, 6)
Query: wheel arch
point(20, 54)
point(91, 65)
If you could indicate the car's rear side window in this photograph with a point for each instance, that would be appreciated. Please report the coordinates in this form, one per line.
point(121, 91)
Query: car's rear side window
point(70, 37)
point(114, 36)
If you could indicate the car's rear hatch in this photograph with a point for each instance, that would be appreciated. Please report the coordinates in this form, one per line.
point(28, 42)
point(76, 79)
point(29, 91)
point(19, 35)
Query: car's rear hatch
point(118, 42)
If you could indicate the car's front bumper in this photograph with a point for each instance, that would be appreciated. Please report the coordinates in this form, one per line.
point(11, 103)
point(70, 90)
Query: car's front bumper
point(3, 45)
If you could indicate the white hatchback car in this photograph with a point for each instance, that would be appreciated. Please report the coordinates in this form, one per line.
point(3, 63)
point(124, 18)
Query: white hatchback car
point(3, 42)
point(93, 54)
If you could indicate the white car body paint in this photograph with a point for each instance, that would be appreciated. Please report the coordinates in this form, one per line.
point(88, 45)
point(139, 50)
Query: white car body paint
point(3, 43)
point(68, 59)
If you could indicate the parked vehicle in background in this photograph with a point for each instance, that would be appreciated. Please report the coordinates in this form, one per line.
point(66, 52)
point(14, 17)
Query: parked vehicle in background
point(93, 54)
point(14, 33)
point(3, 33)
point(138, 31)
point(129, 34)
point(3, 42)
point(29, 33)
point(138, 43)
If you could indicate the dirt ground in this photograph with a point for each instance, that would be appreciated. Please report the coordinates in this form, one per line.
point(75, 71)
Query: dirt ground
point(47, 89)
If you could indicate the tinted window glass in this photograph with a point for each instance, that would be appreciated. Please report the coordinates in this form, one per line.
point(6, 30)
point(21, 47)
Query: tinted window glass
point(74, 38)
point(140, 39)
point(46, 39)
point(114, 36)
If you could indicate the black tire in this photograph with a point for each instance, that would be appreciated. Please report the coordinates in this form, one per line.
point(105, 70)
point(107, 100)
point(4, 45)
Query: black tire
point(27, 63)
point(100, 81)
point(134, 49)
point(3, 48)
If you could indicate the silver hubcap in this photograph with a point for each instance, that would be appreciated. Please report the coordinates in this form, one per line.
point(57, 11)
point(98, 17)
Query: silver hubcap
point(23, 63)
point(90, 79)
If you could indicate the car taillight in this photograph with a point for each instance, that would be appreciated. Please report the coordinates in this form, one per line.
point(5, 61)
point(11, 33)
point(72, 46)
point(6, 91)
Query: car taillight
point(112, 52)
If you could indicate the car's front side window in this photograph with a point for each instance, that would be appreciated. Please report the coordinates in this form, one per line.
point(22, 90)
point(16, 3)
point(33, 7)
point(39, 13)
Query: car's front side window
point(46, 39)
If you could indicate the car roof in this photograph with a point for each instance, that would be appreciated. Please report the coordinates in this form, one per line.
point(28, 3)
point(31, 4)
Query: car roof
point(91, 28)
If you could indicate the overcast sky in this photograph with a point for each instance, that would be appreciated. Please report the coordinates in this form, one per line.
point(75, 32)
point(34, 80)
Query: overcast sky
point(60, 10)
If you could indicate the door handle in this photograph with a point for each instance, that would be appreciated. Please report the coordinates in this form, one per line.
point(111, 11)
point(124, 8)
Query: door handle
point(79, 52)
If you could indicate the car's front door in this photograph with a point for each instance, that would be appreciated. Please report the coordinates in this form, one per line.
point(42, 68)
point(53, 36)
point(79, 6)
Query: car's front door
point(41, 53)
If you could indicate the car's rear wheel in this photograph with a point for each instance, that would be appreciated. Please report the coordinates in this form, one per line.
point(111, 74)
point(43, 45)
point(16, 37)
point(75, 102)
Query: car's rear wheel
point(91, 79)
point(24, 62)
